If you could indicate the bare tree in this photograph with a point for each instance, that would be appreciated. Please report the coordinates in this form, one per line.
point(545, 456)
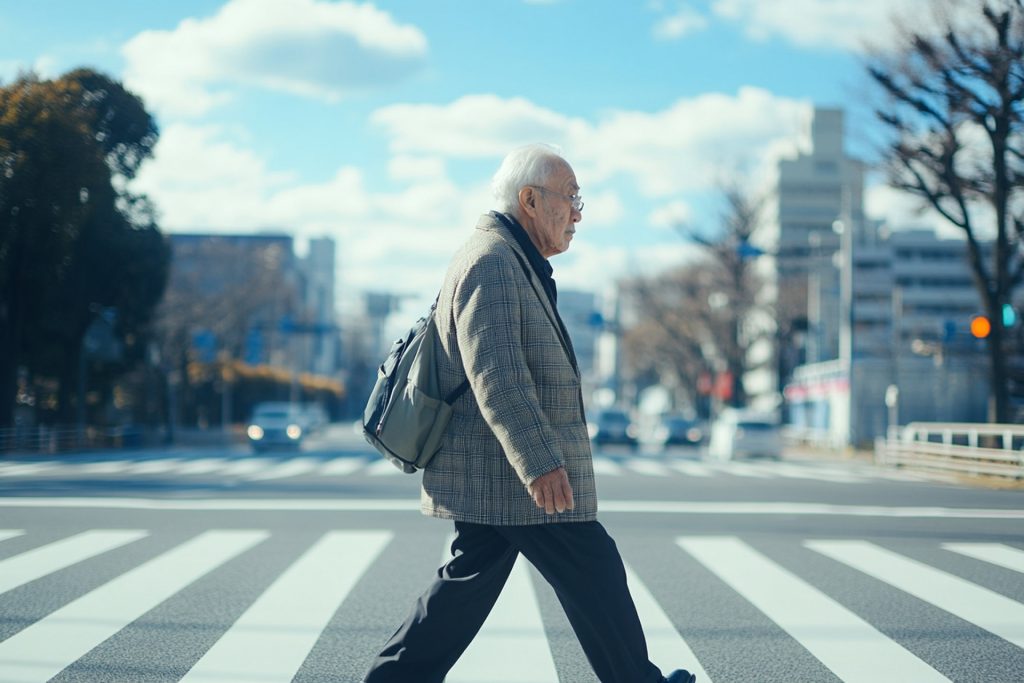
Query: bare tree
point(955, 114)
point(703, 316)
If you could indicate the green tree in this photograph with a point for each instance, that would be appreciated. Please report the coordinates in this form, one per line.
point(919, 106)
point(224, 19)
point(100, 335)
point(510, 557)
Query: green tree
point(73, 240)
point(954, 112)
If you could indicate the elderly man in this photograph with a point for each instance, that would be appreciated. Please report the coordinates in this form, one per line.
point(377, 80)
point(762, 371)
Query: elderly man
point(515, 471)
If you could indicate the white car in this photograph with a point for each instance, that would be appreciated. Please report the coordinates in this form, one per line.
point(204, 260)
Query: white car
point(745, 434)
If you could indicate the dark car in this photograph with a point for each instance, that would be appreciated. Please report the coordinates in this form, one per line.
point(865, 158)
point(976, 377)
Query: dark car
point(674, 430)
point(612, 427)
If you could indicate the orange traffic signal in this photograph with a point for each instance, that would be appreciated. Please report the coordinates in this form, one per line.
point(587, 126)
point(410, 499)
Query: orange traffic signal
point(980, 326)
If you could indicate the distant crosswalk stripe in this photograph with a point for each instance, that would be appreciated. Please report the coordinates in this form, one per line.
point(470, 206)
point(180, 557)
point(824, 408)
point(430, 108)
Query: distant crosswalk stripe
point(691, 469)
point(339, 467)
point(105, 467)
point(46, 647)
point(740, 469)
point(288, 468)
point(10, 533)
point(153, 466)
point(21, 469)
point(269, 642)
point(976, 604)
point(993, 553)
point(245, 466)
point(665, 646)
point(32, 564)
point(201, 466)
point(606, 466)
point(853, 649)
point(810, 472)
point(512, 646)
point(648, 468)
point(382, 468)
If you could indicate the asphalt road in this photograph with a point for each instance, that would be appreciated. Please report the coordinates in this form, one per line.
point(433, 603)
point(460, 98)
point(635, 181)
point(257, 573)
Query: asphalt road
point(220, 565)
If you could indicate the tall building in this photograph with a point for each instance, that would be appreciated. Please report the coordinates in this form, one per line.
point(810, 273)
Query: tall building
point(814, 190)
point(249, 297)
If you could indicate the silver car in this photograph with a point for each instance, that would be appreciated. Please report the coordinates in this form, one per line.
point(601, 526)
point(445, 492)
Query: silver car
point(276, 425)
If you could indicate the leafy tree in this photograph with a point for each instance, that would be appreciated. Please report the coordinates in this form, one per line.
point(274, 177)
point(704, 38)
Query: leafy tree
point(73, 240)
point(954, 112)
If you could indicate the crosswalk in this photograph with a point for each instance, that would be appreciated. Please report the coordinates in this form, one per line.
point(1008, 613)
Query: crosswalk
point(852, 610)
point(270, 468)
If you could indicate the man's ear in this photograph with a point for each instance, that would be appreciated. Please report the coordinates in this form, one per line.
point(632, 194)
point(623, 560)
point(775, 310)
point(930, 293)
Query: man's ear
point(528, 201)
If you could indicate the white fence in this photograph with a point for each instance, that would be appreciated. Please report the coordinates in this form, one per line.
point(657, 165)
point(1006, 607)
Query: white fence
point(967, 448)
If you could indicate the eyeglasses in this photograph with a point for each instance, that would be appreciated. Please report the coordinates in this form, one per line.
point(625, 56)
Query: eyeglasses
point(575, 199)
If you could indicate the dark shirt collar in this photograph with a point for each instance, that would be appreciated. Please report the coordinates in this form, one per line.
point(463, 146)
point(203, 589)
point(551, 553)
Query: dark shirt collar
point(540, 264)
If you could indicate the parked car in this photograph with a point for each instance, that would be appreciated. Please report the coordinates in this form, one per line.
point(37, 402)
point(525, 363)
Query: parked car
point(276, 424)
point(676, 430)
point(612, 427)
point(745, 434)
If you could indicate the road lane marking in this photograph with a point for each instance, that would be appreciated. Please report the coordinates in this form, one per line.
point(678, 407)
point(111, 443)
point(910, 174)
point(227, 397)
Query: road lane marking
point(980, 606)
point(412, 504)
point(10, 533)
point(665, 645)
point(993, 553)
point(851, 648)
point(272, 639)
point(512, 646)
point(38, 562)
point(43, 649)
point(22, 469)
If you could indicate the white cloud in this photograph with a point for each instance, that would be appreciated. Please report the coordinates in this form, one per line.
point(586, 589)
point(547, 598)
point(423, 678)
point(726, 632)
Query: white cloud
point(304, 47)
point(471, 126)
point(694, 143)
point(401, 238)
point(671, 214)
point(683, 22)
point(688, 146)
point(831, 24)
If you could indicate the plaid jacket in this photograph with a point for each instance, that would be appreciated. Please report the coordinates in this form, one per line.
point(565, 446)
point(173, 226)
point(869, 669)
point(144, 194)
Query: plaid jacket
point(524, 414)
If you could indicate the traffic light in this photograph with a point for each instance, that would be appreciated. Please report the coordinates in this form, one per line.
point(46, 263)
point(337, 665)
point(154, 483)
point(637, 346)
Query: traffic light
point(980, 327)
point(1009, 316)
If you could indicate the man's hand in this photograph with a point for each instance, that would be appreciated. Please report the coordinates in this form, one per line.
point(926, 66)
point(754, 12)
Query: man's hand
point(552, 491)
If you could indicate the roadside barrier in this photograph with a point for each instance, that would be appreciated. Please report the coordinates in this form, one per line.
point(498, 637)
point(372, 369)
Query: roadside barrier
point(966, 448)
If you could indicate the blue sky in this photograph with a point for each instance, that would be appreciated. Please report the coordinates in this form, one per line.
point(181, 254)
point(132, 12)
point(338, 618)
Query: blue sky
point(380, 124)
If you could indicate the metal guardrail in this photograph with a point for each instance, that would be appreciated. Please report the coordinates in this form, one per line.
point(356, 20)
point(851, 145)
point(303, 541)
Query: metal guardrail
point(966, 448)
point(58, 439)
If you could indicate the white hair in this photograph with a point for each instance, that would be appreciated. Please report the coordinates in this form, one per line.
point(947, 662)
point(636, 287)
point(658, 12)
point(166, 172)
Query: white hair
point(527, 165)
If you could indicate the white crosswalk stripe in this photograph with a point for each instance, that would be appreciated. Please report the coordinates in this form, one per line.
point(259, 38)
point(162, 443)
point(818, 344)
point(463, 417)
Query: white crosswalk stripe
point(665, 646)
point(42, 650)
point(272, 468)
point(29, 566)
point(514, 625)
point(270, 641)
point(976, 604)
point(280, 625)
point(993, 553)
point(844, 642)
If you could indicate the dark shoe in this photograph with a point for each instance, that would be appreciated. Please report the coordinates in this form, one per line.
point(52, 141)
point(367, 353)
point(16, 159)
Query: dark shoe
point(681, 676)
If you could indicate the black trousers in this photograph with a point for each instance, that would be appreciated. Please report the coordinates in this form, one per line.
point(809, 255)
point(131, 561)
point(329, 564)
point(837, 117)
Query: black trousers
point(579, 560)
